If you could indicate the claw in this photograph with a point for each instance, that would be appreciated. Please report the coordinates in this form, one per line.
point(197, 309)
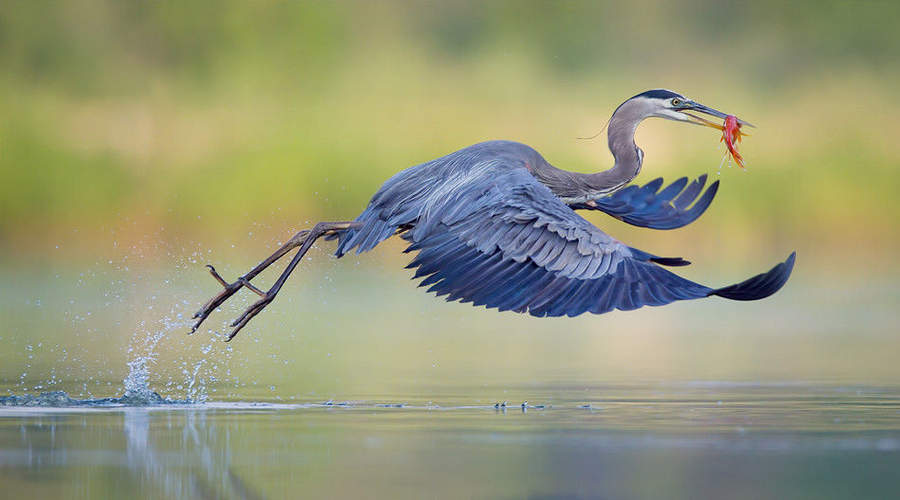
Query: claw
point(248, 314)
point(215, 275)
point(253, 310)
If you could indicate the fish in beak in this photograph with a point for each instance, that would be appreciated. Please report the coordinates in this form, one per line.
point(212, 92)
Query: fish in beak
point(731, 127)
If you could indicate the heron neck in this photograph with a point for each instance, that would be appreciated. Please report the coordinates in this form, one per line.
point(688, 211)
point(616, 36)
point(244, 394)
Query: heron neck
point(575, 187)
point(628, 157)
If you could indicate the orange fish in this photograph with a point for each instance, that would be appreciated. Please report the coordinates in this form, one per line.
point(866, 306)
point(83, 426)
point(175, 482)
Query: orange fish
point(731, 133)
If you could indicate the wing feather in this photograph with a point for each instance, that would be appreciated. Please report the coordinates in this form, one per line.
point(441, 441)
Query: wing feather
point(646, 206)
point(518, 247)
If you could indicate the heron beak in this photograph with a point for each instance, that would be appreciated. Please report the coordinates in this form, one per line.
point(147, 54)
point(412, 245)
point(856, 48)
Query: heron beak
point(700, 108)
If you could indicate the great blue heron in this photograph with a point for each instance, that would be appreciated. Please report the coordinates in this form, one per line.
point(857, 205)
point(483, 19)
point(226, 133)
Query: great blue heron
point(495, 224)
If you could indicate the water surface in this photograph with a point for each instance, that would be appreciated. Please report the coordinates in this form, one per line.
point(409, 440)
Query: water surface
point(704, 439)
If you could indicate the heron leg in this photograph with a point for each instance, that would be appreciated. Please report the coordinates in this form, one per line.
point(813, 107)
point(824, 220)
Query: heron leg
point(304, 239)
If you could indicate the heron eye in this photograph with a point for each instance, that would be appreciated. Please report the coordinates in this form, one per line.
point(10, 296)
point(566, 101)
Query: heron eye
point(676, 102)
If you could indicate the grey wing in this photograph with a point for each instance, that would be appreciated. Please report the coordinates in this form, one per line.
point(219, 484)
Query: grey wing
point(504, 240)
point(488, 232)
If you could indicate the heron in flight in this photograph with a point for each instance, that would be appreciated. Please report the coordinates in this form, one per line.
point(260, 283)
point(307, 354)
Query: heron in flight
point(495, 224)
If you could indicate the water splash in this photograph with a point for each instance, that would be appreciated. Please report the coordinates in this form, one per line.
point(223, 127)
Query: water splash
point(151, 301)
point(59, 399)
point(137, 386)
point(137, 390)
point(137, 382)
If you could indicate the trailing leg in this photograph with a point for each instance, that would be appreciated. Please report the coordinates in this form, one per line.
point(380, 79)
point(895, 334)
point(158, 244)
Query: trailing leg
point(304, 239)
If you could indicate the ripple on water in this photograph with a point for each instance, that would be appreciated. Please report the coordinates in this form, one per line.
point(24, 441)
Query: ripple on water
point(59, 399)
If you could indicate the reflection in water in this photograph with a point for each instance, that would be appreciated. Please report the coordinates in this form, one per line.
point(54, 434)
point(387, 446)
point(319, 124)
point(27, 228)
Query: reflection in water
point(178, 455)
point(203, 470)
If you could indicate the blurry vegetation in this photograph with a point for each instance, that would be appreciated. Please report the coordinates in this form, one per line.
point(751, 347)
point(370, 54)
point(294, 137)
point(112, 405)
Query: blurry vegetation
point(207, 118)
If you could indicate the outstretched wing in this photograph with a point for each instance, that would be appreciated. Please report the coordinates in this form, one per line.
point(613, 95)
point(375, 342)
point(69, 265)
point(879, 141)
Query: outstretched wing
point(502, 239)
point(647, 206)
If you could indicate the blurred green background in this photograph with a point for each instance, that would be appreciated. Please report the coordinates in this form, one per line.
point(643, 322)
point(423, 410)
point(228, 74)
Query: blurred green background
point(209, 118)
point(139, 140)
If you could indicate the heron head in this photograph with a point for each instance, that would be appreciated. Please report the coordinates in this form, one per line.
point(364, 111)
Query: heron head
point(662, 103)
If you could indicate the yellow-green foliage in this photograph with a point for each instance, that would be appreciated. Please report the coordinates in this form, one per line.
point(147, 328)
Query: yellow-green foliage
point(205, 117)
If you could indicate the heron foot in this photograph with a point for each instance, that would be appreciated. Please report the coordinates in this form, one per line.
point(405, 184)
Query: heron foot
point(303, 239)
point(249, 313)
point(229, 289)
